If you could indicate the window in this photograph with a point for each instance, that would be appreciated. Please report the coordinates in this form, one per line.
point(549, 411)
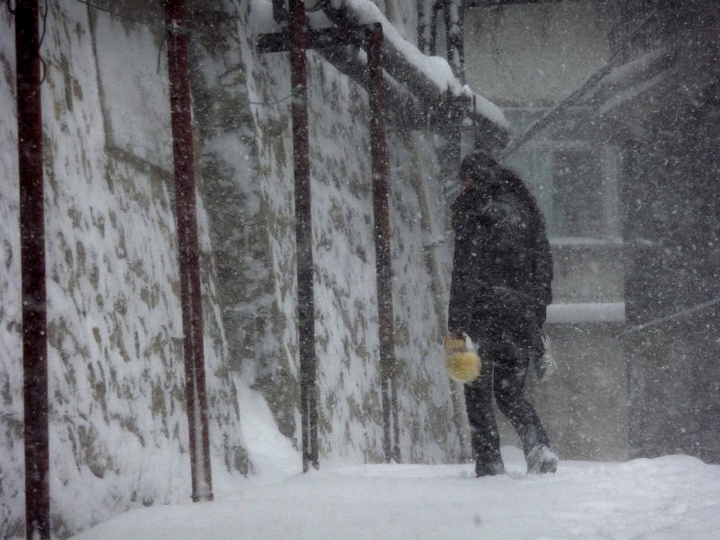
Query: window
point(576, 194)
point(576, 188)
point(575, 182)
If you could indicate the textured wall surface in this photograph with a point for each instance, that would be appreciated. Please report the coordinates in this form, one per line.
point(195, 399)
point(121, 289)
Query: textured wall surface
point(118, 431)
point(346, 321)
point(118, 428)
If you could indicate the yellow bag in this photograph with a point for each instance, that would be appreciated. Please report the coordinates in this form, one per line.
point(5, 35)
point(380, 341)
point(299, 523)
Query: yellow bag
point(461, 361)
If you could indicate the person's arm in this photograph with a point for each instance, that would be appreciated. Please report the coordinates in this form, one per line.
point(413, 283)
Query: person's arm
point(543, 276)
point(466, 223)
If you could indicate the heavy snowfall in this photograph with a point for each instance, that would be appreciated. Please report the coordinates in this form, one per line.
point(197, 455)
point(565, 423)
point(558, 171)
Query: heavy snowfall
point(608, 109)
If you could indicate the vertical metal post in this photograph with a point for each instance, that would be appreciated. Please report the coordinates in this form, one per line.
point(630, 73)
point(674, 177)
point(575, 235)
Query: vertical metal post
point(383, 255)
point(303, 234)
point(32, 254)
point(191, 297)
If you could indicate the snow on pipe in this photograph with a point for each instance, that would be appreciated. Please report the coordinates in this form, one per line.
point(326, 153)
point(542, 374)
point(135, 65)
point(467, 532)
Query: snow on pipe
point(429, 79)
point(189, 259)
point(446, 100)
point(34, 294)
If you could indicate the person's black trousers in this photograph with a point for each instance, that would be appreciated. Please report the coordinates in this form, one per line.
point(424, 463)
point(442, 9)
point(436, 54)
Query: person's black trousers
point(506, 357)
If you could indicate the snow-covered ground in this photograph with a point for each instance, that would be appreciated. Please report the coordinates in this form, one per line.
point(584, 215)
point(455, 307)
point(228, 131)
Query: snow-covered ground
point(666, 498)
point(673, 497)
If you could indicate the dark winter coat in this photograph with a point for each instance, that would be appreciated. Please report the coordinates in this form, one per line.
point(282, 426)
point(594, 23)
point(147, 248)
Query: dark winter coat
point(502, 266)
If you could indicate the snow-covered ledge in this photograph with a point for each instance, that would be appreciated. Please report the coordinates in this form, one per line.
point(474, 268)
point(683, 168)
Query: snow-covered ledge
point(428, 78)
point(613, 312)
point(434, 69)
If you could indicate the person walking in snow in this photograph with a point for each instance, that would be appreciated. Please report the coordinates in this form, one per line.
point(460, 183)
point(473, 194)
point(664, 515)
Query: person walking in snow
point(501, 287)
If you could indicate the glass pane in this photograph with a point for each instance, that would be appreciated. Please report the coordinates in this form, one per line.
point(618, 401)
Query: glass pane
point(577, 195)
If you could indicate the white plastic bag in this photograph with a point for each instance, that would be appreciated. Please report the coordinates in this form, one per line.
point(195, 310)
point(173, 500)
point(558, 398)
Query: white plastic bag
point(546, 366)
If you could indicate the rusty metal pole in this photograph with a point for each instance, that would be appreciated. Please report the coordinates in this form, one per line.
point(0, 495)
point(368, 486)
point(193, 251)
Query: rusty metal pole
point(383, 254)
point(185, 204)
point(32, 255)
point(303, 235)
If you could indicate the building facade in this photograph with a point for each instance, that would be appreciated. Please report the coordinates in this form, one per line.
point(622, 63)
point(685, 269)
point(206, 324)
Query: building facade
point(614, 110)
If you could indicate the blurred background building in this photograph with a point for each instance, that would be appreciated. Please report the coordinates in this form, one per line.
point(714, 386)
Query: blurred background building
point(614, 112)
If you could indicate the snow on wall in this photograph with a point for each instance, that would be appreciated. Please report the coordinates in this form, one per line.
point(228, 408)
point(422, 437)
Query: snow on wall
point(118, 427)
point(344, 257)
point(118, 431)
point(346, 309)
point(421, 265)
point(11, 423)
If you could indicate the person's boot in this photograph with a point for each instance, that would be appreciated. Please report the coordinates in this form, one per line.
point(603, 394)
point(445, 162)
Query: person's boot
point(541, 460)
point(488, 469)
